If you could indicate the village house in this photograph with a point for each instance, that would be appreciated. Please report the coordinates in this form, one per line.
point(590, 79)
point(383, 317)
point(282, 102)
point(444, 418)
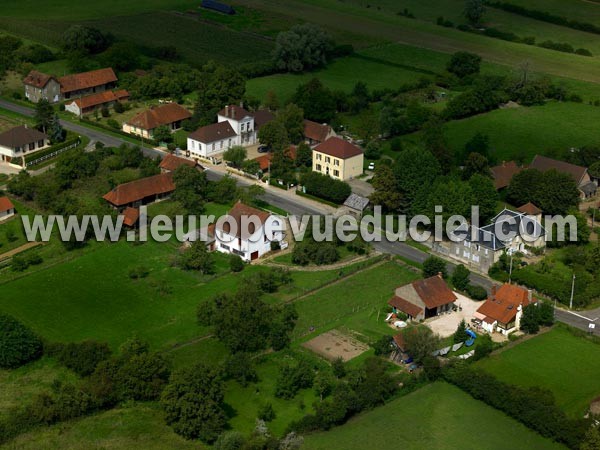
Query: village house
point(587, 187)
point(7, 209)
point(242, 123)
point(39, 86)
point(503, 310)
point(86, 83)
point(503, 173)
point(338, 158)
point(423, 299)
point(141, 192)
point(88, 104)
point(316, 133)
point(212, 140)
point(170, 163)
point(170, 115)
point(21, 140)
point(248, 244)
point(479, 248)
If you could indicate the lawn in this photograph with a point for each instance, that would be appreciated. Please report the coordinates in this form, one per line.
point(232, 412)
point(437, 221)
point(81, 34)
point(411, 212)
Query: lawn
point(559, 361)
point(554, 127)
point(358, 303)
point(122, 428)
point(436, 416)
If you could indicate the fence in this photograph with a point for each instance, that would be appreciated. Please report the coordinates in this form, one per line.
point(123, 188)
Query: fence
point(52, 154)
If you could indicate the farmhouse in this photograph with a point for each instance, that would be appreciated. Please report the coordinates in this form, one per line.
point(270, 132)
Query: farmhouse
point(7, 209)
point(171, 163)
point(170, 115)
point(250, 241)
point(503, 310)
point(316, 133)
point(503, 173)
point(85, 105)
point(338, 158)
point(86, 83)
point(422, 299)
point(21, 140)
point(39, 86)
point(579, 174)
point(480, 247)
point(241, 121)
point(212, 139)
point(141, 192)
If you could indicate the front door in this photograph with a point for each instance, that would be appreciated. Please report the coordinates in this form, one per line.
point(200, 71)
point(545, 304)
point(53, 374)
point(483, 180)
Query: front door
point(254, 255)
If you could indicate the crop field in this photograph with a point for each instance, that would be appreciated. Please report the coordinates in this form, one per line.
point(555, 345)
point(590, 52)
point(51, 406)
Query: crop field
point(436, 416)
point(559, 361)
point(581, 10)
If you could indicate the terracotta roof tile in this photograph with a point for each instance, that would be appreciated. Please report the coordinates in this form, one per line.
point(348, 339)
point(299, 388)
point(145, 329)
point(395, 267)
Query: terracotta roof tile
point(172, 162)
point(503, 306)
point(130, 216)
point(37, 79)
point(316, 131)
point(434, 292)
point(338, 148)
point(101, 98)
point(87, 80)
point(160, 115)
point(5, 204)
point(264, 160)
point(20, 136)
point(503, 173)
point(544, 164)
point(134, 191)
point(240, 210)
point(234, 112)
point(213, 132)
point(529, 209)
point(405, 306)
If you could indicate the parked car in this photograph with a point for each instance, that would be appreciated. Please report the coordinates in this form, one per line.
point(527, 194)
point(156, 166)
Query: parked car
point(263, 149)
point(371, 166)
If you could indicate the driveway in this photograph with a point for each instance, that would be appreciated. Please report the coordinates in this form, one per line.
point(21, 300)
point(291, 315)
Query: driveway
point(446, 324)
point(361, 187)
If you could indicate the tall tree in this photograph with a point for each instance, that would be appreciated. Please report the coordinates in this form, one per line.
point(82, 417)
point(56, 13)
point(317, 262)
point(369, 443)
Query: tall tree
point(44, 115)
point(434, 139)
point(474, 11)
point(235, 155)
point(484, 195)
point(191, 188)
point(415, 170)
point(292, 118)
point(476, 163)
point(303, 155)
point(316, 101)
point(385, 191)
point(301, 48)
point(274, 135)
point(463, 64)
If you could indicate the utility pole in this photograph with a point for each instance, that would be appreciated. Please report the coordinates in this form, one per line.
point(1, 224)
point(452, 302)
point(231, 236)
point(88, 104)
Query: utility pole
point(572, 292)
point(510, 270)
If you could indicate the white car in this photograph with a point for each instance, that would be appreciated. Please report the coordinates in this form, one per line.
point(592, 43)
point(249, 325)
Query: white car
point(371, 166)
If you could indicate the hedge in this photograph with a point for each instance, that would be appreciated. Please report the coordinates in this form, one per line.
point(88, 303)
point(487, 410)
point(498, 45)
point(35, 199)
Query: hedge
point(51, 149)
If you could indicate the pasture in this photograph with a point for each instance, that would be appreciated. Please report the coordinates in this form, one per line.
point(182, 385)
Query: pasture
point(436, 416)
point(557, 360)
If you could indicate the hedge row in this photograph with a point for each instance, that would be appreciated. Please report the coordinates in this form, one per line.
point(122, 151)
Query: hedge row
point(52, 148)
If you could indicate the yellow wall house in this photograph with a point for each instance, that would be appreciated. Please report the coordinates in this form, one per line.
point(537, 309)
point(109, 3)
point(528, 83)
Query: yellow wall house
point(338, 158)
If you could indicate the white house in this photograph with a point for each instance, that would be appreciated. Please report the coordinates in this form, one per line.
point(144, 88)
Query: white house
point(20, 141)
point(241, 121)
point(7, 209)
point(246, 232)
point(212, 139)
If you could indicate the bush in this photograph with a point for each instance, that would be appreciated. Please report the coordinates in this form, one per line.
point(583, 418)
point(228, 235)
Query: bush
point(236, 264)
point(82, 358)
point(119, 108)
point(104, 111)
point(383, 346)
point(326, 187)
point(18, 263)
point(476, 292)
point(18, 344)
point(113, 124)
point(460, 277)
point(434, 266)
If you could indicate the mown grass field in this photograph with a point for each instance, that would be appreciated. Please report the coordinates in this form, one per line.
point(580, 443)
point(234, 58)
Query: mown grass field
point(436, 416)
point(123, 428)
point(559, 361)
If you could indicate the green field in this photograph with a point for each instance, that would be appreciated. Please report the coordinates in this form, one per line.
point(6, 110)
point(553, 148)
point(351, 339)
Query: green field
point(436, 416)
point(123, 428)
point(565, 364)
point(521, 133)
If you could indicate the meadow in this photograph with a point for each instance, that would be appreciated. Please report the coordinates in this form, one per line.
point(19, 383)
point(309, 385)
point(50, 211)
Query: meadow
point(557, 360)
point(436, 416)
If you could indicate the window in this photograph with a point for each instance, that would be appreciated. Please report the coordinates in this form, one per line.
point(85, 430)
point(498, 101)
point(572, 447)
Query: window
point(243, 126)
point(486, 251)
point(336, 173)
point(336, 162)
point(229, 143)
point(41, 143)
point(225, 247)
point(327, 159)
point(318, 167)
point(221, 144)
point(318, 156)
point(32, 146)
point(213, 146)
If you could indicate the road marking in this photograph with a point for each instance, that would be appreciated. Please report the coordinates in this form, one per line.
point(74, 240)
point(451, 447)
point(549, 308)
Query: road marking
point(579, 315)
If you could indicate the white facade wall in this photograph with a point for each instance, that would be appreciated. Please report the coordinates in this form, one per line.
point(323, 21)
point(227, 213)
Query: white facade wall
point(205, 150)
point(244, 129)
point(244, 248)
point(4, 215)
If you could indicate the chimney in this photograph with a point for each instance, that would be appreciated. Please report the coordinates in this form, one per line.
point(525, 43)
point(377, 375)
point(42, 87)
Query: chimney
point(494, 289)
point(241, 104)
point(529, 296)
point(440, 275)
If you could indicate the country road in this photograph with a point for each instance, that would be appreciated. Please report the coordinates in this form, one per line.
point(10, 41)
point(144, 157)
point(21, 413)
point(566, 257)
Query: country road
point(296, 205)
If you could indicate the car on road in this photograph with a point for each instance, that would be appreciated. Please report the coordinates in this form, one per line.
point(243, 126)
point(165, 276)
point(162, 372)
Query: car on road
point(263, 149)
point(371, 166)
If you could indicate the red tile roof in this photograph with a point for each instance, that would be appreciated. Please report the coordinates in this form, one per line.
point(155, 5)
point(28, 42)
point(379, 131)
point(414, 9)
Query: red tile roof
point(240, 210)
point(400, 342)
point(503, 305)
point(130, 216)
point(405, 306)
point(503, 173)
point(37, 79)
point(160, 115)
point(100, 98)
point(87, 80)
point(338, 148)
point(264, 160)
point(544, 164)
point(434, 291)
point(316, 131)
point(529, 209)
point(234, 112)
point(20, 136)
point(172, 162)
point(6, 204)
point(213, 132)
point(134, 191)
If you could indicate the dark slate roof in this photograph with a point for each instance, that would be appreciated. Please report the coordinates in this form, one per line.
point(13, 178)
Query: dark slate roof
point(356, 202)
point(589, 188)
point(20, 136)
point(543, 164)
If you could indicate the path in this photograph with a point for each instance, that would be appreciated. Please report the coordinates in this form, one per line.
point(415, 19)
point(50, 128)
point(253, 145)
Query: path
point(16, 251)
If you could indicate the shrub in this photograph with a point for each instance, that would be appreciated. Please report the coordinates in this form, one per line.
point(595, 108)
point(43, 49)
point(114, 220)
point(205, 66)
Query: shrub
point(326, 187)
point(119, 108)
point(104, 111)
point(18, 263)
point(266, 413)
point(434, 266)
point(236, 264)
point(18, 344)
point(460, 277)
point(113, 124)
point(83, 357)
point(476, 292)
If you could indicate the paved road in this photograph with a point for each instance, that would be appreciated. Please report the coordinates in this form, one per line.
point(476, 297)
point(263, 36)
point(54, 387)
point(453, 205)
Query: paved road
point(297, 207)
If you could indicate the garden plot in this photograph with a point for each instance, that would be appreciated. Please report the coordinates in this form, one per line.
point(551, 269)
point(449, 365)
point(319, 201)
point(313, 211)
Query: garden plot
point(335, 344)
